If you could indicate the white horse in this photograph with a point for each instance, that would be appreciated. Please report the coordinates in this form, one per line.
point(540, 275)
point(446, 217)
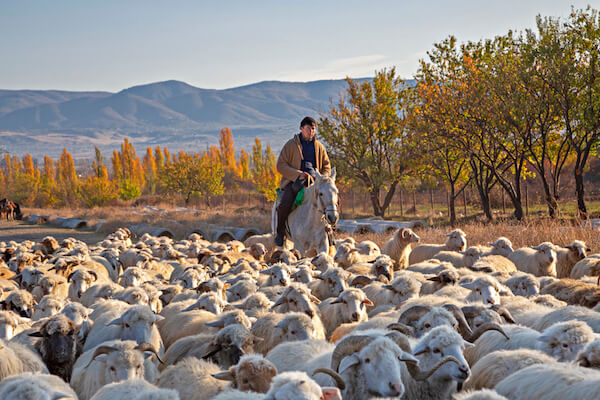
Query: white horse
point(308, 222)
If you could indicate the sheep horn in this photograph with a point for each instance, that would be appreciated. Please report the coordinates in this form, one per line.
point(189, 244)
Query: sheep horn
point(101, 350)
point(211, 350)
point(148, 347)
point(70, 276)
point(470, 311)
point(405, 329)
point(413, 314)
point(484, 328)
point(346, 347)
point(339, 381)
point(401, 340)
point(419, 375)
point(94, 274)
point(463, 326)
point(503, 312)
point(360, 281)
point(190, 308)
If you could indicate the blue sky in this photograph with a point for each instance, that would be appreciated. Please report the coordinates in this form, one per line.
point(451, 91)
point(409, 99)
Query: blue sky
point(111, 45)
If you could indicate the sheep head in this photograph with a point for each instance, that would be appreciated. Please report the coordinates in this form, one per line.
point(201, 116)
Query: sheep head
point(253, 373)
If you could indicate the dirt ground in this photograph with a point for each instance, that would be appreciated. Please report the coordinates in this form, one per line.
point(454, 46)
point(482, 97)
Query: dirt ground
point(20, 231)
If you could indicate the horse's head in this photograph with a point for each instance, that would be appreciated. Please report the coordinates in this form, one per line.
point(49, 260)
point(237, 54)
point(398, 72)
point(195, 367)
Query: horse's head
point(327, 196)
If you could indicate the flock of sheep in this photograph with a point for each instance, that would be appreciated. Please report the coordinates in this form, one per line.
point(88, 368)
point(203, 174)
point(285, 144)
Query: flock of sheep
point(157, 319)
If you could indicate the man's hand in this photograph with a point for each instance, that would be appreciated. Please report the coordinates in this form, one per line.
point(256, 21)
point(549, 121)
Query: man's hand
point(305, 175)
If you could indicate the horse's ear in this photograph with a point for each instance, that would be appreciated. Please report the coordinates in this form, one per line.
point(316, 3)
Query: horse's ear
point(317, 174)
point(332, 174)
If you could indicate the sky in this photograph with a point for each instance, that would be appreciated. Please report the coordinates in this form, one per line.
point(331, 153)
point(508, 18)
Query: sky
point(110, 45)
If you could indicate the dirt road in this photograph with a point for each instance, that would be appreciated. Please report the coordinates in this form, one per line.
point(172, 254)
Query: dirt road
point(20, 231)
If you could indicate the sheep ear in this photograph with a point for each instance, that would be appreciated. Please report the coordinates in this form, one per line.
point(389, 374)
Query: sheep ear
point(314, 299)
point(281, 325)
point(331, 393)
point(467, 285)
point(224, 375)
point(407, 357)
point(116, 321)
point(36, 334)
point(158, 318)
point(434, 279)
point(367, 302)
point(467, 344)
point(420, 349)
point(545, 338)
point(348, 362)
point(337, 301)
point(216, 324)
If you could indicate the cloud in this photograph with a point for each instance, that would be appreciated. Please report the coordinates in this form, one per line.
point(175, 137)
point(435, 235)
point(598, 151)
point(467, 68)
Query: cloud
point(359, 66)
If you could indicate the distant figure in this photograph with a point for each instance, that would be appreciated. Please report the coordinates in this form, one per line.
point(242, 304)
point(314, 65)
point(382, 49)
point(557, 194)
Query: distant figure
point(296, 163)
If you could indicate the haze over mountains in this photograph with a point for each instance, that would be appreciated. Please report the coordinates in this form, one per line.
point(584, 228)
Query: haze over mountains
point(170, 113)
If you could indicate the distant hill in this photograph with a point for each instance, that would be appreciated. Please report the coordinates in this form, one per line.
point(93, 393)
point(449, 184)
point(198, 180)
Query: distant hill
point(170, 113)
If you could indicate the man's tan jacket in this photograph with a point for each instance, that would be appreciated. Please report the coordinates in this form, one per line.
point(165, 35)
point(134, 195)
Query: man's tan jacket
point(290, 160)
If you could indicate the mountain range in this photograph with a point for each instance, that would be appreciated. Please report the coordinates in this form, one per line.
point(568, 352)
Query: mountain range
point(171, 113)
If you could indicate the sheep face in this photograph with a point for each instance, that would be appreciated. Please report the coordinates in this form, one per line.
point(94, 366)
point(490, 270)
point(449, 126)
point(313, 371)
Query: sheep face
point(133, 277)
point(191, 278)
point(48, 306)
point(258, 251)
point(589, 357)
point(133, 295)
point(439, 343)
point(79, 314)
point(471, 255)
point(523, 285)
point(578, 250)
point(484, 289)
point(546, 258)
point(352, 305)
point(9, 322)
point(501, 247)
point(241, 290)
point(208, 302)
point(278, 275)
point(346, 255)
point(137, 323)
point(50, 284)
point(457, 240)
point(296, 327)
point(565, 340)
point(333, 282)
point(303, 275)
point(322, 261)
point(81, 280)
point(19, 301)
point(122, 365)
point(297, 298)
point(30, 277)
point(252, 374)
point(229, 345)
point(437, 316)
point(405, 287)
point(380, 363)
point(297, 385)
point(383, 267)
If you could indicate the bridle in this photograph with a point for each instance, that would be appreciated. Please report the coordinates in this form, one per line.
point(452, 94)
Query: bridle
point(323, 209)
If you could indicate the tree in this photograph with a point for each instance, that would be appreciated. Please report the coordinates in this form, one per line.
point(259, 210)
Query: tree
point(67, 184)
point(128, 172)
point(227, 155)
point(193, 174)
point(244, 166)
point(367, 137)
point(264, 171)
point(150, 171)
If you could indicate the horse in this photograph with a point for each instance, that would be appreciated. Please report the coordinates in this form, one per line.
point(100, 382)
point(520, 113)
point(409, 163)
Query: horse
point(308, 223)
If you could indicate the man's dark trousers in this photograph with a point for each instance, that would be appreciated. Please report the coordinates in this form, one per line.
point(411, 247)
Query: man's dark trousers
point(290, 191)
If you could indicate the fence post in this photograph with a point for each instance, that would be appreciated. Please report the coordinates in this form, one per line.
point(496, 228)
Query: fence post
point(526, 201)
point(415, 202)
point(503, 203)
point(353, 203)
point(401, 204)
point(431, 201)
point(465, 201)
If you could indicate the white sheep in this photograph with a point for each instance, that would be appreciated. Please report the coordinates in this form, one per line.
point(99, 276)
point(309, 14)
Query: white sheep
point(35, 387)
point(112, 361)
point(192, 379)
point(11, 324)
point(349, 306)
point(494, 263)
point(134, 389)
point(329, 283)
point(525, 285)
point(48, 306)
point(457, 241)
point(538, 260)
point(403, 287)
point(589, 266)
point(563, 340)
point(502, 247)
point(483, 394)
point(398, 247)
point(16, 359)
point(275, 328)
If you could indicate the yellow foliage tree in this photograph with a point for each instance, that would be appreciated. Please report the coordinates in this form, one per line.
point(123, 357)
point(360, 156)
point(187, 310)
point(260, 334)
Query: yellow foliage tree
point(264, 171)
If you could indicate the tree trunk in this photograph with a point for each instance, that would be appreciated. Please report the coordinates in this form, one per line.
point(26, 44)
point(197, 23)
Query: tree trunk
point(452, 205)
point(550, 200)
point(580, 190)
point(377, 209)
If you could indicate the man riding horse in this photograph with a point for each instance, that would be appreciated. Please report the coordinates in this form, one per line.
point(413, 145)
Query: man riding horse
point(297, 162)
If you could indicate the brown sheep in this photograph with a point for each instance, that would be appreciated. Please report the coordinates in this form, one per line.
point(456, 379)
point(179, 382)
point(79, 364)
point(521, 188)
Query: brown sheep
point(574, 292)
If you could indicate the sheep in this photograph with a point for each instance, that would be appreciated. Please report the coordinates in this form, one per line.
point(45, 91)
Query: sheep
point(382, 269)
point(485, 289)
point(563, 341)
point(589, 357)
point(303, 274)
point(255, 304)
point(135, 323)
point(48, 306)
point(287, 386)
point(525, 285)
point(369, 250)
point(589, 266)
point(574, 292)
point(346, 256)
point(134, 276)
point(349, 306)
point(225, 348)
point(494, 263)
point(538, 260)
point(298, 298)
point(442, 279)
point(461, 259)
point(398, 247)
point(497, 365)
point(19, 301)
point(568, 256)
point(278, 274)
point(402, 288)
point(81, 279)
point(112, 361)
point(526, 311)
point(35, 387)
point(16, 359)
point(197, 322)
point(241, 290)
point(29, 277)
point(567, 313)
point(322, 261)
point(51, 284)
point(284, 256)
point(60, 345)
point(134, 389)
point(275, 328)
point(12, 324)
point(457, 241)
point(253, 373)
point(483, 394)
point(100, 291)
point(79, 314)
point(551, 382)
point(210, 301)
point(329, 283)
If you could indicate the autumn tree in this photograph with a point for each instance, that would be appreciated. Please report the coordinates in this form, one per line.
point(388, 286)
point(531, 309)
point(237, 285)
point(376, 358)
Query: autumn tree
point(264, 170)
point(243, 166)
point(150, 171)
point(366, 135)
point(227, 155)
point(128, 172)
point(67, 183)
